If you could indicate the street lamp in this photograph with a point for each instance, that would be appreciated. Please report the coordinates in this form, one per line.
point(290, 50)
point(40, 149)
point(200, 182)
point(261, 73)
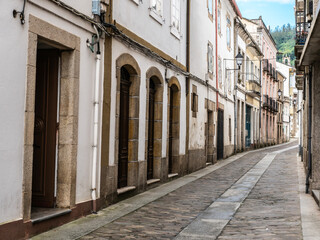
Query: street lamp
point(239, 59)
point(279, 93)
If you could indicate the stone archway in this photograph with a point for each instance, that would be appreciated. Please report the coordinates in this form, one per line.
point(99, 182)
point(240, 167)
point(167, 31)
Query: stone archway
point(128, 64)
point(153, 144)
point(173, 141)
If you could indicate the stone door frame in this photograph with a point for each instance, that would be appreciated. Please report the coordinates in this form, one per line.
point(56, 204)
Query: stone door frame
point(69, 44)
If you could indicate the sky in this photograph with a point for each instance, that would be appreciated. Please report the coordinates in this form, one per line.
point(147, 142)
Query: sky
point(273, 12)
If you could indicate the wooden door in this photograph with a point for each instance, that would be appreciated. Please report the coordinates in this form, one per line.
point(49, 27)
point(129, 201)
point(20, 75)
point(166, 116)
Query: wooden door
point(170, 131)
point(209, 137)
point(123, 129)
point(248, 126)
point(150, 130)
point(220, 135)
point(45, 127)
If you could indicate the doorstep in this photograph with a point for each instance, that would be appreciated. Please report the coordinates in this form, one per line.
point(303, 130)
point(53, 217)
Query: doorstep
point(43, 214)
point(151, 181)
point(172, 175)
point(316, 195)
point(125, 189)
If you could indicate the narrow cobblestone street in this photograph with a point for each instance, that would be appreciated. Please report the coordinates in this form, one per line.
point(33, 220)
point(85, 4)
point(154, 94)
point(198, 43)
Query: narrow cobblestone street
point(252, 195)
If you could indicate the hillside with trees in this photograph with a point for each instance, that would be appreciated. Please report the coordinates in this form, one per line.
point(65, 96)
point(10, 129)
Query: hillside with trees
point(285, 39)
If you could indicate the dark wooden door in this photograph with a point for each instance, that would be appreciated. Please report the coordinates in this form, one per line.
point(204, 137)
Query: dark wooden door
point(45, 127)
point(170, 131)
point(150, 130)
point(248, 126)
point(123, 129)
point(220, 135)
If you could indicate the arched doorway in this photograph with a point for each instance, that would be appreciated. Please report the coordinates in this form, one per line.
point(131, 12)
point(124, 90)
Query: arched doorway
point(123, 128)
point(127, 121)
point(174, 126)
point(152, 91)
point(154, 116)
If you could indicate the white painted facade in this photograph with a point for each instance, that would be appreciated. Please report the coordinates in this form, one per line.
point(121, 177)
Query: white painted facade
point(140, 19)
point(202, 37)
point(14, 41)
point(226, 81)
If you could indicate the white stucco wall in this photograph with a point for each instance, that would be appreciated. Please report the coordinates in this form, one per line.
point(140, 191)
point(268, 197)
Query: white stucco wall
point(144, 64)
point(14, 40)
point(225, 55)
point(284, 69)
point(12, 96)
point(136, 18)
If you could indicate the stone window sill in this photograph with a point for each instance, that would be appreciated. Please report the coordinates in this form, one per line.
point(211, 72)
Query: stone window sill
point(156, 16)
point(175, 32)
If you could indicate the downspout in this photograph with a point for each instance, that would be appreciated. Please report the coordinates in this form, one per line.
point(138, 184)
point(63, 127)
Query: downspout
point(95, 126)
point(235, 96)
point(235, 118)
point(217, 86)
point(188, 82)
point(260, 103)
point(309, 133)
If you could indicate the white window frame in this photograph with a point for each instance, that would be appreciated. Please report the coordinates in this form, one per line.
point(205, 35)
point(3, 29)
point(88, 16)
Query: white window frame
point(220, 72)
point(136, 1)
point(176, 17)
point(210, 58)
point(228, 37)
point(208, 2)
point(219, 20)
point(156, 11)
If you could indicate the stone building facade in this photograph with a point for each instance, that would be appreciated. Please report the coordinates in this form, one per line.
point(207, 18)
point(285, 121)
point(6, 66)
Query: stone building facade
point(307, 80)
point(269, 90)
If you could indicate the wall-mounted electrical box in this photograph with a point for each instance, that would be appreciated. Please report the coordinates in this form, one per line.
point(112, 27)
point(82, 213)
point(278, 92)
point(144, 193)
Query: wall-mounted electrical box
point(96, 7)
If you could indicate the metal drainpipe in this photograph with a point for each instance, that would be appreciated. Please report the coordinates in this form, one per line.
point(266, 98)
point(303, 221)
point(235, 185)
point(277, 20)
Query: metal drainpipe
point(95, 127)
point(309, 133)
point(217, 86)
point(235, 118)
point(260, 103)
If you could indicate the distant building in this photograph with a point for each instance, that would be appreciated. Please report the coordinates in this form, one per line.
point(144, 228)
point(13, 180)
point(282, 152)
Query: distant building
point(262, 35)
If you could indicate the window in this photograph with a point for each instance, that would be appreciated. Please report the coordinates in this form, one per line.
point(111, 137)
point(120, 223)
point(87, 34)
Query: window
point(230, 131)
point(194, 101)
point(247, 69)
point(219, 17)
point(175, 14)
point(210, 58)
point(194, 106)
point(156, 6)
point(210, 6)
point(220, 72)
point(229, 82)
point(228, 33)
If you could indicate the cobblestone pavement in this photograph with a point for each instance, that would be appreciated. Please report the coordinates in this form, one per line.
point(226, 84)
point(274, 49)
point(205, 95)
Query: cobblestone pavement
point(271, 211)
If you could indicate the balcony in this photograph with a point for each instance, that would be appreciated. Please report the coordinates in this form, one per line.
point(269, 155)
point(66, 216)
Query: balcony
point(265, 102)
point(300, 80)
point(253, 87)
point(276, 76)
point(265, 65)
point(270, 70)
point(274, 106)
